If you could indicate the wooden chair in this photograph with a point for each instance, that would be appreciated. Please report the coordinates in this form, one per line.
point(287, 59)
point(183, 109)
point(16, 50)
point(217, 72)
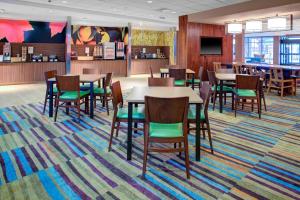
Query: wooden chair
point(247, 89)
point(197, 82)
point(237, 68)
point(151, 72)
point(166, 122)
point(104, 93)
point(205, 93)
point(216, 87)
point(179, 75)
point(217, 65)
point(162, 82)
point(68, 93)
point(278, 82)
point(48, 75)
point(121, 113)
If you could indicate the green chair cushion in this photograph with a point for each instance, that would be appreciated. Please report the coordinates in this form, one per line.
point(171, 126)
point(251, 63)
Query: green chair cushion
point(160, 130)
point(55, 90)
point(196, 81)
point(179, 82)
point(225, 88)
point(245, 93)
point(137, 113)
point(101, 90)
point(192, 115)
point(73, 95)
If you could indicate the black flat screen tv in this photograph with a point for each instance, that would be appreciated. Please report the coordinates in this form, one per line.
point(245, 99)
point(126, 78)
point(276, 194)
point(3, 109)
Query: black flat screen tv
point(211, 46)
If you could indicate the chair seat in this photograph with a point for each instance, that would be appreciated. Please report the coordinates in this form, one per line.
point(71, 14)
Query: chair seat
point(73, 95)
point(192, 115)
point(225, 88)
point(179, 83)
point(159, 130)
point(196, 81)
point(55, 90)
point(245, 93)
point(137, 113)
point(101, 90)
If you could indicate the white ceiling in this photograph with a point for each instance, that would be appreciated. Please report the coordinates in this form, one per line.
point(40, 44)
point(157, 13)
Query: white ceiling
point(110, 12)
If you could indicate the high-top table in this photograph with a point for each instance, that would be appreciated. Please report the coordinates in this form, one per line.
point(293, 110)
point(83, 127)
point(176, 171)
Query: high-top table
point(84, 78)
point(165, 71)
point(137, 96)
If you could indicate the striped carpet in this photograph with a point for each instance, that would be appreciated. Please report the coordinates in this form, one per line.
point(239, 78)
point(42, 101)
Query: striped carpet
point(254, 159)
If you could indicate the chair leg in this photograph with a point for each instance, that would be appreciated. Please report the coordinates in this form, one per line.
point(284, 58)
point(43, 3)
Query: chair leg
point(203, 131)
point(235, 106)
point(214, 100)
point(78, 110)
point(264, 100)
point(145, 155)
point(180, 148)
point(225, 97)
point(45, 102)
point(209, 138)
point(107, 108)
point(187, 161)
point(111, 134)
point(56, 109)
point(232, 101)
point(118, 127)
point(281, 89)
point(258, 107)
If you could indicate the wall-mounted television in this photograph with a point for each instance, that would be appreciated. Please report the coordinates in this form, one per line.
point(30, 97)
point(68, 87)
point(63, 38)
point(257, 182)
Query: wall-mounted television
point(211, 46)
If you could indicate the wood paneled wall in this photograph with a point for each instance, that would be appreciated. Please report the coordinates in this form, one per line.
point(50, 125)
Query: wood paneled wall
point(189, 45)
point(239, 48)
point(142, 66)
point(18, 73)
point(117, 67)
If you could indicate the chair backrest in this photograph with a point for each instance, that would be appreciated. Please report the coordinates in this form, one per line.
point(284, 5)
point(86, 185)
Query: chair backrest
point(162, 82)
point(247, 82)
point(212, 78)
point(107, 82)
point(166, 110)
point(151, 72)
point(68, 83)
point(225, 71)
point(200, 73)
point(276, 74)
point(116, 94)
point(237, 68)
point(50, 74)
point(177, 74)
point(89, 71)
point(217, 65)
point(205, 92)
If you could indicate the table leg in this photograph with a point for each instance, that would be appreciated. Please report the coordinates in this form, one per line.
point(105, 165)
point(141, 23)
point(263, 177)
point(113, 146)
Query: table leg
point(51, 99)
point(161, 75)
point(103, 82)
point(221, 96)
point(135, 124)
point(129, 134)
point(91, 100)
point(198, 136)
point(193, 81)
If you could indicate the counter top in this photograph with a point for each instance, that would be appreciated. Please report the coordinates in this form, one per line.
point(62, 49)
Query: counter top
point(149, 58)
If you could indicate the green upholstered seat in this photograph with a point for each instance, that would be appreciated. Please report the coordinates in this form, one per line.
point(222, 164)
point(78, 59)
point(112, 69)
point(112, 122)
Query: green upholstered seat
point(55, 90)
point(225, 88)
point(137, 113)
point(73, 95)
point(245, 92)
point(101, 90)
point(196, 81)
point(160, 130)
point(192, 115)
point(179, 82)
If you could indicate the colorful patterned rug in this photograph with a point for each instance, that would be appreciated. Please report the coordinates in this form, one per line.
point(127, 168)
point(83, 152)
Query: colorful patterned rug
point(254, 158)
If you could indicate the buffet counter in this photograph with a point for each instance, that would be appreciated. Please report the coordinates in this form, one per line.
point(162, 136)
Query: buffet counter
point(142, 66)
point(27, 72)
point(117, 67)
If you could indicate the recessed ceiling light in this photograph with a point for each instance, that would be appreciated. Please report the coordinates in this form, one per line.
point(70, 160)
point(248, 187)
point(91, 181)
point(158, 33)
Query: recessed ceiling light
point(149, 1)
point(164, 10)
point(64, 1)
point(50, 11)
point(84, 18)
point(173, 12)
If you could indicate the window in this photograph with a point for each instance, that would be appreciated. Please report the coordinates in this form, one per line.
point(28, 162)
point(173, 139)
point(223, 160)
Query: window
point(290, 51)
point(259, 49)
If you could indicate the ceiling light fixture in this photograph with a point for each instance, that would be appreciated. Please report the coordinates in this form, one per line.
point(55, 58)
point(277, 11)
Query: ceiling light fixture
point(149, 2)
point(254, 26)
point(173, 12)
point(235, 28)
point(277, 23)
point(64, 1)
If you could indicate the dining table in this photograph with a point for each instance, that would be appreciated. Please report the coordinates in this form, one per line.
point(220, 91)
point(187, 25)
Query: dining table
point(165, 71)
point(84, 78)
point(137, 96)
